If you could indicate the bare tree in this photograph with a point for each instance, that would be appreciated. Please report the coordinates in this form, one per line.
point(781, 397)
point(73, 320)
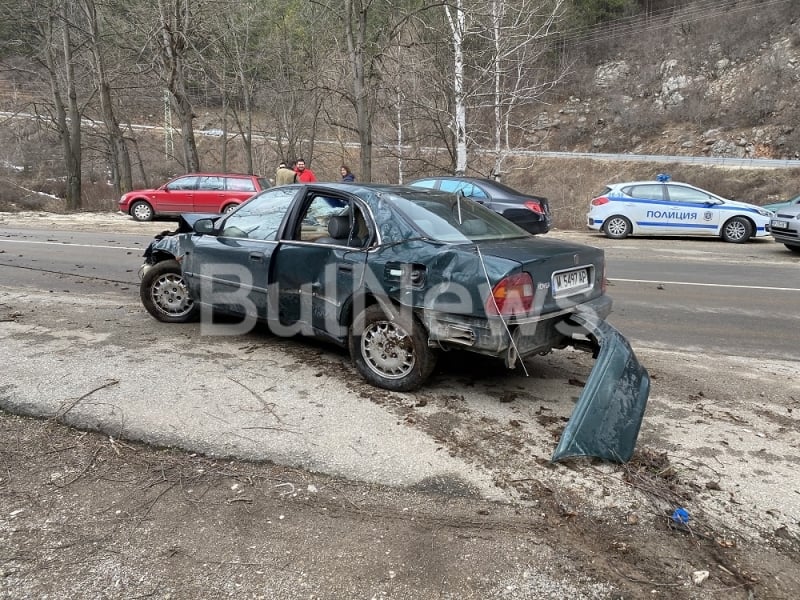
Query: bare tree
point(57, 48)
point(174, 28)
point(118, 148)
point(519, 34)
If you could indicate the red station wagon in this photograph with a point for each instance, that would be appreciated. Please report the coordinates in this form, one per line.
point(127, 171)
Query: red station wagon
point(196, 192)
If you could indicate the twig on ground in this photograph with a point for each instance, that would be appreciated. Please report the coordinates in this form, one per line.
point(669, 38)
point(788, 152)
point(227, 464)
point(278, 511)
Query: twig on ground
point(268, 406)
point(63, 411)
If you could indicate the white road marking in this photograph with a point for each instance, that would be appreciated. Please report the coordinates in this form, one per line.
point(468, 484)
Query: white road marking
point(716, 285)
point(69, 244)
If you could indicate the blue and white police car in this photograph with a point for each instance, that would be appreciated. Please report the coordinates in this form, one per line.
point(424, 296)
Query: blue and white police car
point(665, 207)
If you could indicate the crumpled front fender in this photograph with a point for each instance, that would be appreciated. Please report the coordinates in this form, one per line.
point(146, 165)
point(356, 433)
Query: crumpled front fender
point(162, 246)
point(606, 420)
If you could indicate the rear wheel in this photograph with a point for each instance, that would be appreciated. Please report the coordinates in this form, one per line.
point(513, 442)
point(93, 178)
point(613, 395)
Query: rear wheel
point(737, 230)
point(617, 227)
point(141, 211)
point(391, 352)
point(228, 208)
point(165, 294)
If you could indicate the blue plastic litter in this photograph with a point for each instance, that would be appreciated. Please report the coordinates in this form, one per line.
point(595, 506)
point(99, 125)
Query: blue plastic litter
point(680, 515)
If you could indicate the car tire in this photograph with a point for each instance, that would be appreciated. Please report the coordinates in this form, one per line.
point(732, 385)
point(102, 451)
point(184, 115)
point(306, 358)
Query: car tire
point(793, 248)
point(142, 211)
point(228, 208)
point(617, 227)
point(165, 294)
point(737, 230)
point(391, 352)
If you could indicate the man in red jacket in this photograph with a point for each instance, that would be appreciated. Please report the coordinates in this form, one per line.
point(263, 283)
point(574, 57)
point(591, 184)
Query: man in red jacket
point(304, 174)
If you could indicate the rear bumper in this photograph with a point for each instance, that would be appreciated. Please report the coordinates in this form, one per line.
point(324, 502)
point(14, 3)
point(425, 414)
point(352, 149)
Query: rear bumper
point(606, 420)
point(493, 337)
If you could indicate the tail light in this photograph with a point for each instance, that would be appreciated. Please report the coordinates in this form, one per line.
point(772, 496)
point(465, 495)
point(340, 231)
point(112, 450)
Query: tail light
point(535, 206)
point(513, 295)
point(600, 201)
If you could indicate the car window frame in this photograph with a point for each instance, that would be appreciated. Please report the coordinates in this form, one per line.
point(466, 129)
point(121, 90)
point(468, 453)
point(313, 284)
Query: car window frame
point(294, 233)
point(632, 191)
point(251, 187)
point(704, 197)
point(287, 193)
point(171, 186)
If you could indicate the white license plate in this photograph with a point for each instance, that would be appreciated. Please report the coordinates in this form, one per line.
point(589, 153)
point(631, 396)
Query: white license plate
point(780, 224)
point(568, 282)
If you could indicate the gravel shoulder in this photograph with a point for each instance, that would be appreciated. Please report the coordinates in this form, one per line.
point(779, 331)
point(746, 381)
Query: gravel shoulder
point(158, 462)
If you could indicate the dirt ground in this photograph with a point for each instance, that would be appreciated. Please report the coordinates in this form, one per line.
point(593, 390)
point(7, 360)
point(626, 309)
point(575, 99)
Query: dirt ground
point(88, 514)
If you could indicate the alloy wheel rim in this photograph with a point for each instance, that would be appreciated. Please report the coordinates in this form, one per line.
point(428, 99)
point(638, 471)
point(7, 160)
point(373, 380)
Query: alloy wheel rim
point(388, 350)
point(617, 227)
point(735, 230)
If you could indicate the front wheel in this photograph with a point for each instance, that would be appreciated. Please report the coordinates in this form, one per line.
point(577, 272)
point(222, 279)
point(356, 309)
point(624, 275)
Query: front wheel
point(737, 230)
point(165, 294)
point(391, 351)
point(617, 227)
point(793, 248)
point(142, 211)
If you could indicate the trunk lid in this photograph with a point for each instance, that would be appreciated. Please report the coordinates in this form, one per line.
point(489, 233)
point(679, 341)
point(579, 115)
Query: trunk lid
point(564, 274)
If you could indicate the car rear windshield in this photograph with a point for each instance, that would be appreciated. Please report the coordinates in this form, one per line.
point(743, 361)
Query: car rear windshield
point(450, 218)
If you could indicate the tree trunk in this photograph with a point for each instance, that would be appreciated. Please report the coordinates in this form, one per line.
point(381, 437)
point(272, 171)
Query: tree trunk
point(457, 28)
point(67, 117)
point(174, 30)
point(355, 48)
point(119, 155)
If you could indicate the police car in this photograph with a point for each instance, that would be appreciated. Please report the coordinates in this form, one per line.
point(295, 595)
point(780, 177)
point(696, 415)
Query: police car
point(665, 207)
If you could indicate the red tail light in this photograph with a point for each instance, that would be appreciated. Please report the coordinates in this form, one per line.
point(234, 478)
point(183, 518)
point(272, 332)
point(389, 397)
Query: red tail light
point(600, 201)
point(511, 296)
point(535, 206)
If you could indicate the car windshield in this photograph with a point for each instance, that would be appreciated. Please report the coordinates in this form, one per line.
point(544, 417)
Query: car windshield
point(450, 218)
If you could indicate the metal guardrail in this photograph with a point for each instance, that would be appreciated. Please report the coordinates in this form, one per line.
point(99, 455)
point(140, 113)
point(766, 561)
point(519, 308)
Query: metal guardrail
point(751, 163)
point(742, 163)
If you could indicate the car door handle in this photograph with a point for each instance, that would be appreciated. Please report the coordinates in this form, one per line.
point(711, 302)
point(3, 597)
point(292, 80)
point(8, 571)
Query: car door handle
point(257, 257)
point(345, 268)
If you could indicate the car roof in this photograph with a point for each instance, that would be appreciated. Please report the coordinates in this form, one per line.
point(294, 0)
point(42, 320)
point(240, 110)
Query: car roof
point(650, 182)
point(484, 180)
point(212, 174)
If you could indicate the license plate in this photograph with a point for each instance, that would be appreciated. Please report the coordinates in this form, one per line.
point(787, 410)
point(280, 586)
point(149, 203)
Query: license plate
point(570, 282)
point(780, 224)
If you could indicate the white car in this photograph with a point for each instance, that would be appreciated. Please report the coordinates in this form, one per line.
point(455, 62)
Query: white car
point(786, 227)
point(666, 207)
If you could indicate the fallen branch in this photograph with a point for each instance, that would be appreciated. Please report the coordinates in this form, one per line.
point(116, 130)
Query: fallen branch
point(62, 412)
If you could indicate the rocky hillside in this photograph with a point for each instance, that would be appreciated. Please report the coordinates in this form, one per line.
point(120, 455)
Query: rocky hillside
point(713, 79)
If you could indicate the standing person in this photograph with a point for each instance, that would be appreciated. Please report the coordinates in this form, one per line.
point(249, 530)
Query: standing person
point(347, 174)
point(304, 174)
point(284, 175)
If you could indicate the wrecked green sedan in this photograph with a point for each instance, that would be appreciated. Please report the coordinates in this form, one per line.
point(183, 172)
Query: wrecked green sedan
point(397, 275)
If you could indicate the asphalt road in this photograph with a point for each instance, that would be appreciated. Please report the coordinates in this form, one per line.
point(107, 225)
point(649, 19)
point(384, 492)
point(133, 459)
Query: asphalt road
point(668, 293)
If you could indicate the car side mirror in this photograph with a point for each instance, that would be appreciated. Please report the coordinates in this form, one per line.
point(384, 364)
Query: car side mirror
point(203, 226)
